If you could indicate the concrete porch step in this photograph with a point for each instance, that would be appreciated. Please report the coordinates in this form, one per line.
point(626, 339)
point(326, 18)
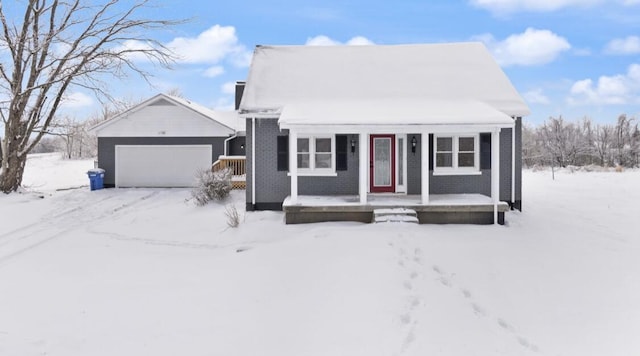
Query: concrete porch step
point(395, 215)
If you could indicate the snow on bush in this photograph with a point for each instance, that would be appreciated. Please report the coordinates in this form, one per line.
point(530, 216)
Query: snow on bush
point(211, 186)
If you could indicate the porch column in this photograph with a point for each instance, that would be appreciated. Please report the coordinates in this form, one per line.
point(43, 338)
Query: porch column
point(293, 165)
point(495, 172)
point(424, 166)
point(363, 167)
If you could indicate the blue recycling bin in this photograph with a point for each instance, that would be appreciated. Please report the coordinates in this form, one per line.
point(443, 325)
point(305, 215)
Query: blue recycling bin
point(96, 178)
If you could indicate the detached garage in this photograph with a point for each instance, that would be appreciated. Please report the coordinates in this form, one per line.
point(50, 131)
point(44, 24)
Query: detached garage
point(164, 141)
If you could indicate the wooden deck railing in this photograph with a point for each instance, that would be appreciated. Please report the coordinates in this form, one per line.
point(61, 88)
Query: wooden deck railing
point(238, 167)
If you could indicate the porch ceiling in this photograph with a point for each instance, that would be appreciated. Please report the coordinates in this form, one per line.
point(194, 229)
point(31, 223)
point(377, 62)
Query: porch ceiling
point(396, 112)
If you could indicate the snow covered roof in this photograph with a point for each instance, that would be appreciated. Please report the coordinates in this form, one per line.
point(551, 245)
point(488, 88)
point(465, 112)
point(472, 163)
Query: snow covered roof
point(398, 81)
point(405, 111)
point(230, 119)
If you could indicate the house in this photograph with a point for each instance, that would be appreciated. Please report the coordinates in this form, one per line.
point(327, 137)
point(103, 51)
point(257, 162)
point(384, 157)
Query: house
point(164, 141)
point(340, 132)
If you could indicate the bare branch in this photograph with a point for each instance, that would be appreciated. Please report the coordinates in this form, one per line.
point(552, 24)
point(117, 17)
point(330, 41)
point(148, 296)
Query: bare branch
point(60, 44)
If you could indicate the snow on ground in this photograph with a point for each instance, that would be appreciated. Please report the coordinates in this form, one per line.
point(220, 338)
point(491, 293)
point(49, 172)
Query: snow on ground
point(144, 272)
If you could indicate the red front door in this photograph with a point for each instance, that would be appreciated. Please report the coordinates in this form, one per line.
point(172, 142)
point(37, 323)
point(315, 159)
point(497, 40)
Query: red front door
point(382, 163)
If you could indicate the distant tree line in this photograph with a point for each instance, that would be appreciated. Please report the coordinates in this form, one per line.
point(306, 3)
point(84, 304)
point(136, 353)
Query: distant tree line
point(560, 143)
point(71, 135)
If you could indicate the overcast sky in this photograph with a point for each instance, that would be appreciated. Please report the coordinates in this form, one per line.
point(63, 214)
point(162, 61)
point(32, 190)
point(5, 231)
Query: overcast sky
point(573, 58)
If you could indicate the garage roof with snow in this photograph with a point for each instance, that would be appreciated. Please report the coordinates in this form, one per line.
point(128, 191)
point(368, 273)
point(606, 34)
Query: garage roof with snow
point(458, 83)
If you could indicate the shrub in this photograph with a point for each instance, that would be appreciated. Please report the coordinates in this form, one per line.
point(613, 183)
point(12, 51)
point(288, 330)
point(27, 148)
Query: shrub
point(233, 218)
point(211, 186)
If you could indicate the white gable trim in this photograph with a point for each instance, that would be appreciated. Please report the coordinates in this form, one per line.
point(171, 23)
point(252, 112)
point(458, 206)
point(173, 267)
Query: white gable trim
point(201, 122)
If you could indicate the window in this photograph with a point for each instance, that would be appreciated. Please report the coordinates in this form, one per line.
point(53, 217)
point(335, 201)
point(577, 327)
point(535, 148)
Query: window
point(323, 153)
point(316, 153)
point(444, 152)
point(456, 154)
point(304, 158)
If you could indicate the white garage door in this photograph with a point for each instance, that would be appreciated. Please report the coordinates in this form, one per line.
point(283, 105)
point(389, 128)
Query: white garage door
point(160, 166)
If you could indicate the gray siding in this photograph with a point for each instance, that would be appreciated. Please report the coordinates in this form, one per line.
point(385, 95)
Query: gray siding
point(518, 202)
point(273, 186)
point(463, 184)
point(442, 184)
point(414, 175)
point(346, 183)
point(107, 152)
point(237, 146)
point(249, 164)
point(505, 164)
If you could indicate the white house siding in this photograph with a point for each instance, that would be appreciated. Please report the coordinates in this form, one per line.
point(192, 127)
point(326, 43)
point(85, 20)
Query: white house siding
point(166, 120)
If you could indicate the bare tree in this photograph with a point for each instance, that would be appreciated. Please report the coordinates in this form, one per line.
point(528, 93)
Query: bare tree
point(602, 143)
point(623, 141)
point(53, 46)
point(72, 135)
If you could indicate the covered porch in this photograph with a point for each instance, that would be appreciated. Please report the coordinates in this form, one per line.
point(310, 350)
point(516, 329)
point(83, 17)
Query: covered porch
point(386, 136)
point(441, 208)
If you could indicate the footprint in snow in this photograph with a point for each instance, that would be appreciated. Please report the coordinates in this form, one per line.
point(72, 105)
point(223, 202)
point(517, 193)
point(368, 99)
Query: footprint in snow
point(437, 269)
point(525, 343)
point(445, 281)
point(478, 310)
point(503, 324)
point(405, 318)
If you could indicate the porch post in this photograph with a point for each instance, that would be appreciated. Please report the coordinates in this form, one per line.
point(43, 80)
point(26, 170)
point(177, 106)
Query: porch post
point(363, 166)
point(424, 167)
point(293, 165)
point(495, 172)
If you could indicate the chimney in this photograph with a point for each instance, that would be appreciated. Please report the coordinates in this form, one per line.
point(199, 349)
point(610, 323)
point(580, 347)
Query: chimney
point(239, 91)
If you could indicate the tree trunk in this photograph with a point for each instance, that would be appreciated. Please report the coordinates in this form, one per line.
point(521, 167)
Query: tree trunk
point(11, 177)
point(12, 162)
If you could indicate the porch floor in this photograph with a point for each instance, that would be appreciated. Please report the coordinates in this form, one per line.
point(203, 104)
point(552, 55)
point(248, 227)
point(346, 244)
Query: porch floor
point(442, 208)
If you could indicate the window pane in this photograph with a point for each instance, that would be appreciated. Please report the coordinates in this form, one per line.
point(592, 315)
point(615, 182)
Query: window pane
point(466, 159)
point(444, 159)
point(444, 144)
point(323, 160)
point(466, 144)
point(323, 145)
point(382, 162)
point(303, 160)
point(303, 145)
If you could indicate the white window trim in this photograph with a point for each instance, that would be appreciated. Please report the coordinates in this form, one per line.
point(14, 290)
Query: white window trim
point(455, 170)
point(312, 171)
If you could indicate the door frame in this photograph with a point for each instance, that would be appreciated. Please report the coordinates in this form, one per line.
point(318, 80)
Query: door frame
point(392, 173)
